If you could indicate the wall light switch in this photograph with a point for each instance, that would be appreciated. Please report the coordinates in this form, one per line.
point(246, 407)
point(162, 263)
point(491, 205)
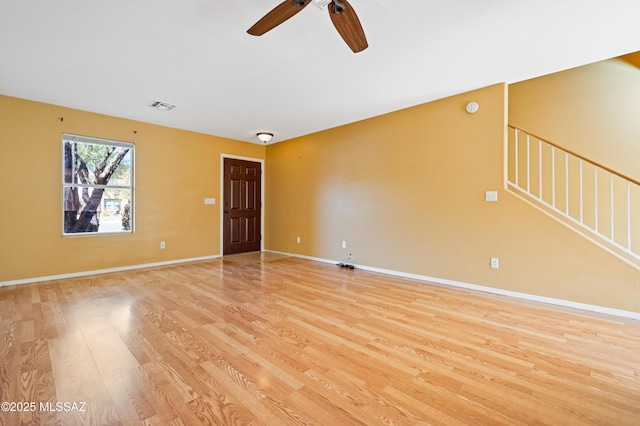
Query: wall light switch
point(491, 196)
point(209, 200)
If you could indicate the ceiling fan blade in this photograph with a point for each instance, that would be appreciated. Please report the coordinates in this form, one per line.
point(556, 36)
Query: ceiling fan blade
point(348, 25)
point(277, 16)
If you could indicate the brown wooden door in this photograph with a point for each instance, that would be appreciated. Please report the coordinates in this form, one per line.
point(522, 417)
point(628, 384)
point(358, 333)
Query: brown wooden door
point(242, 206)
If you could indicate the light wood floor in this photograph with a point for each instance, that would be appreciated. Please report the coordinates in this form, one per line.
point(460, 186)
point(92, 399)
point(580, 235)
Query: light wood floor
point(268, 340)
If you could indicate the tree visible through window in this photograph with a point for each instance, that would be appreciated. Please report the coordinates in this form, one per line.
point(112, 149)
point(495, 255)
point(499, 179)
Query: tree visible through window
point(97, 185)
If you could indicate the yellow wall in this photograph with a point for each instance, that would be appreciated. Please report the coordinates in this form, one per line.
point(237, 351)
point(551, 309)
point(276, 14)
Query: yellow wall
point(175, 171)
point(592, 110)
point(406, 191)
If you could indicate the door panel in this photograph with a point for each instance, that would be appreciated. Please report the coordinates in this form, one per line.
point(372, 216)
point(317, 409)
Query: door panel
point(251, 230)
point(235, 230)
point(236, 195)
point(242, 204)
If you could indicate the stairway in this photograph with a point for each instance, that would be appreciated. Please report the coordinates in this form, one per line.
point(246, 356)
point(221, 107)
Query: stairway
point(591, 198)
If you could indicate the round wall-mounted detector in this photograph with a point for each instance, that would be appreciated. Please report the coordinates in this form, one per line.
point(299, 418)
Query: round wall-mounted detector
point(472, 107)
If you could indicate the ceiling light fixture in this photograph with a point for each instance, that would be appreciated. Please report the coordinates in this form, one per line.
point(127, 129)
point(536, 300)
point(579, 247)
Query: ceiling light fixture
point(264, 136)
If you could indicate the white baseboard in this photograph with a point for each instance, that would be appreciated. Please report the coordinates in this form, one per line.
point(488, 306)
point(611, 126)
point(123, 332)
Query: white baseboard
point(484, 289)
point(105, 271)
point(424, 278)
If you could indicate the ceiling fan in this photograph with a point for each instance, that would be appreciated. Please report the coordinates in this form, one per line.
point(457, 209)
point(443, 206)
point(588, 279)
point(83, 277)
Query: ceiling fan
point(342, 15)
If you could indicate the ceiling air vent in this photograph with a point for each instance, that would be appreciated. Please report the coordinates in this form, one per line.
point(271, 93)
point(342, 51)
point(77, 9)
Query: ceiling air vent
point(162, 106)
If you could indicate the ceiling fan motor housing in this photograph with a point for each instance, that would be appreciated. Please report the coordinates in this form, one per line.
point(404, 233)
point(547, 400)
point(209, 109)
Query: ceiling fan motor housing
point(321, 3)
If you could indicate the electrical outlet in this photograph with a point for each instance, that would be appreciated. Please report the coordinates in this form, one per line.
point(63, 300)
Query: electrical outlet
point(298, 240)
point(162, 244)
point(344, 244)
point(495, 263)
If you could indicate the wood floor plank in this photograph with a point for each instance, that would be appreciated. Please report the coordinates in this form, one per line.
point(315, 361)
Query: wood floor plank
point(262, 339)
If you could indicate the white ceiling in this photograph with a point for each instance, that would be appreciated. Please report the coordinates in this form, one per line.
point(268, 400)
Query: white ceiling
point(117, 56)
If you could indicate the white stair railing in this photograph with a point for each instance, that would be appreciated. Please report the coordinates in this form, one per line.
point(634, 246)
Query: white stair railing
point(587, 194)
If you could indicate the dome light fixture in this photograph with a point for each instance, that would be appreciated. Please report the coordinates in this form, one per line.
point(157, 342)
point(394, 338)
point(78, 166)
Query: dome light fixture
point(264, 136)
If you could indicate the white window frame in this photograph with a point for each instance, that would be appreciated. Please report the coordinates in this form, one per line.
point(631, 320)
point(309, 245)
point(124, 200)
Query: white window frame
point(106, 142)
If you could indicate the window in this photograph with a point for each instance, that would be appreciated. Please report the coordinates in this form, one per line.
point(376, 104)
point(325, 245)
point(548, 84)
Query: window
point(97, 182)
